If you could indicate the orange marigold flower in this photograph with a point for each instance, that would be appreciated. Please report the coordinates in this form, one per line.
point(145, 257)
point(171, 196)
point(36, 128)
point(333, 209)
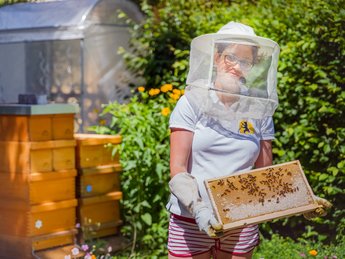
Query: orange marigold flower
point(141, 89)
point(313, 252)
point(93, 257)
point(165, 111)
point(166, 88)
point(154, 91)
point(174, 96)
point(177, 91)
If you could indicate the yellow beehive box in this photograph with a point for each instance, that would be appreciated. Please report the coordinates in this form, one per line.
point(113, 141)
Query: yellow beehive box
point(93, 150)
point(44, 156)
point(23, 247)
point(54, 239)
point(260, 195)
point(18, 218)
point(100, 180)
point(36, 127)
point(100, 215)
point(38, 188)
point(63, 126)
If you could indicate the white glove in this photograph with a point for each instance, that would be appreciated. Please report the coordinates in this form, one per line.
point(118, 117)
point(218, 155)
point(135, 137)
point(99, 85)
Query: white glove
point(321, 211)
point(185, 188)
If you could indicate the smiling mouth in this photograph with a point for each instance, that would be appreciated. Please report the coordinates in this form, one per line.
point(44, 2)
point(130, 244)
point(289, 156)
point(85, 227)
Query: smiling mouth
point(234, 72)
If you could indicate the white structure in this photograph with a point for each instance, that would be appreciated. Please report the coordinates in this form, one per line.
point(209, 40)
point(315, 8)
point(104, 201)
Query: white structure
point(67, 50)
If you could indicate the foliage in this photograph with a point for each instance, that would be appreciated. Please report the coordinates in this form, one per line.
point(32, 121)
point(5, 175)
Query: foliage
point(143, 124)
point(279, 247)
point(311, 93)
point(160, 46)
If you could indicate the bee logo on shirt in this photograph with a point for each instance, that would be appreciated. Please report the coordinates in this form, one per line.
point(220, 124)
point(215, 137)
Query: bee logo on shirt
point(246, 127)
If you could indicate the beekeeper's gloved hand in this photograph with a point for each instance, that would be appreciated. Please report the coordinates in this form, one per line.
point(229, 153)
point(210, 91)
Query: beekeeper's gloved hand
point(319, 212)
point(185, 187)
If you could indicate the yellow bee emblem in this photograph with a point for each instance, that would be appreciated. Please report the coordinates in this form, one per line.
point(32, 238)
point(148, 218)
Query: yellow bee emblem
point(246, 127)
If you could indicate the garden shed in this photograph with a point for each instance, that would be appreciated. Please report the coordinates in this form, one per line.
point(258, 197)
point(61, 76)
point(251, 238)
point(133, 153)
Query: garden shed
point(66, 50)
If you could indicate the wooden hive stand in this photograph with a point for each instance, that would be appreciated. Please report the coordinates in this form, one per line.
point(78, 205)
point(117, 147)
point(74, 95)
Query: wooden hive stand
point(98, 185)
point(37, 175)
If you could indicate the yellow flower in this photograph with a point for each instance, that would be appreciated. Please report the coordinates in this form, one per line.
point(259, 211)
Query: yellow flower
point(165, 111)
point(141, 89)
point(154, 91)
point(166, 88)
point(102, 122)
point(177, 91)
point(174, 96)
point(182, 91)
point(313, 252)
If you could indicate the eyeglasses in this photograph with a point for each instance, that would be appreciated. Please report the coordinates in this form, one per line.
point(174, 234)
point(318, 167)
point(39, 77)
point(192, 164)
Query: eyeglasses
point(232, 60)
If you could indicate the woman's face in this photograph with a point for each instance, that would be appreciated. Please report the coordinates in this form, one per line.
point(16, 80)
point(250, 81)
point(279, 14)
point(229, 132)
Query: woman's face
point(236, 59)
point(232, 65)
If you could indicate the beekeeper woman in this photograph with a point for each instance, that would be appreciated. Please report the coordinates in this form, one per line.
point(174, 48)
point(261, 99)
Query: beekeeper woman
point(223, 124)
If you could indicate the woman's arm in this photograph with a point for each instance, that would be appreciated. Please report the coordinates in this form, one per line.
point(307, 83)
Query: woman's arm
point(180, 149)
point(184, 186)
point(265, 155)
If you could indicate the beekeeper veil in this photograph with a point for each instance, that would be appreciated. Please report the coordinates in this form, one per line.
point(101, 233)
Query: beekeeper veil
point(233, 73)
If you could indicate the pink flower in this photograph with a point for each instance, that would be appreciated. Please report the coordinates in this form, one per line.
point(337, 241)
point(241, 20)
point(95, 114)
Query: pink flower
point(85, 247)
point(302, 254)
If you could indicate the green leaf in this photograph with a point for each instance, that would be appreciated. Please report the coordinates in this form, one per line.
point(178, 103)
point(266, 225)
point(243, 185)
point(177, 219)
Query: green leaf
point(147, 218)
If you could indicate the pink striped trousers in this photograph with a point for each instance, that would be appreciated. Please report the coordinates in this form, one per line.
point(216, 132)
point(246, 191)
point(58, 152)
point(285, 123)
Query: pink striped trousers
point(185, 239)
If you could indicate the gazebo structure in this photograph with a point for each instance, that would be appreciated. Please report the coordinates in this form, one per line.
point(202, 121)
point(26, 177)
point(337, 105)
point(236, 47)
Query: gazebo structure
point(66, 51)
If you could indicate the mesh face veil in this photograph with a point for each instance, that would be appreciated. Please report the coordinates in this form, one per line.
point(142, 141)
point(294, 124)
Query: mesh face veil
point(232, 74)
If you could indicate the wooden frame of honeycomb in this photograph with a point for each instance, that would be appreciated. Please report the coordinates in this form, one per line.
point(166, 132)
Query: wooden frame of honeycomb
point(260, 195)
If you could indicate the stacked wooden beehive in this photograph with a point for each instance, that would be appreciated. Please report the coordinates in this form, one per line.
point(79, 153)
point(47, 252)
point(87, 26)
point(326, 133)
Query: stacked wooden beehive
point(98, 185)
point(37, 175)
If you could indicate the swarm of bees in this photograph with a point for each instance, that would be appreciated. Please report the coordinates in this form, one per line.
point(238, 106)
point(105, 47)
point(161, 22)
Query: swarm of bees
point(270, 186)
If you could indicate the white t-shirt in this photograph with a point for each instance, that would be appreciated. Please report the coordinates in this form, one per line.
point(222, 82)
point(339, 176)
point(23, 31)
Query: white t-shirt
point(217, 152)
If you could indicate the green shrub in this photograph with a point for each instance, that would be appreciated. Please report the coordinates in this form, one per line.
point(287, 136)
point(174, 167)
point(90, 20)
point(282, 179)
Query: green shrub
point(311, 93)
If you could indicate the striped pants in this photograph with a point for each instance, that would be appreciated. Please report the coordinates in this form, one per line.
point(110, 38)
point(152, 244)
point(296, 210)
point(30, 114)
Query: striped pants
point(186, 240)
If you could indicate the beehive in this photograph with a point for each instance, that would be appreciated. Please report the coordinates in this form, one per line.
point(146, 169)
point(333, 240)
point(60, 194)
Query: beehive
point(18, 218)
point(260, 195)
point(99, 180)
point(38, 188)
point(100, 215)
point(37, 171)
point(95, 150)
point(35, 226)
point(36, 127)
point(98, 184)
point(43, 156)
